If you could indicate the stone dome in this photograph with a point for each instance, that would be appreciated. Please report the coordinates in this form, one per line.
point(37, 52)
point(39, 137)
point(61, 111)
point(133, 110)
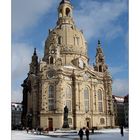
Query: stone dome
point(68, 38)
point(65, 38)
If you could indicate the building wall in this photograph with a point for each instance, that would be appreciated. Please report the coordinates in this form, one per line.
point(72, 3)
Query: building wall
point(118, 103)
point(126, 110)
point(126, 115)
point(82, 117)
point(61, 81)
point(16, 110)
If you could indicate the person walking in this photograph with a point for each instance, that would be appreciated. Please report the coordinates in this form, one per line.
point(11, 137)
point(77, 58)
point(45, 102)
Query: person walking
point(92, 130)
point(121, 130)
point(27, 129)
point(87, 133)
point(81, 133)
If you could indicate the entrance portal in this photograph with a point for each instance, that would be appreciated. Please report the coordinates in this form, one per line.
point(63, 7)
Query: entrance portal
point(88, 122)
point(50, 120)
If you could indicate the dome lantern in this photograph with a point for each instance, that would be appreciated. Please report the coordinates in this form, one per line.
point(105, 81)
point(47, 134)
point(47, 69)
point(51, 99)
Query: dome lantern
point(65, 13)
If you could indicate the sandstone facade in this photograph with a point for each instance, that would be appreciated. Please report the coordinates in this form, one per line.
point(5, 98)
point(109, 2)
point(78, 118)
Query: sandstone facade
point(64, 77)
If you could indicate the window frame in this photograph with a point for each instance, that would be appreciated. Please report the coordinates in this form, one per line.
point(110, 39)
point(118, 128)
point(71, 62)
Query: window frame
point(86, 100)
point(68, 97)
point(100, 100)
point(51, 97)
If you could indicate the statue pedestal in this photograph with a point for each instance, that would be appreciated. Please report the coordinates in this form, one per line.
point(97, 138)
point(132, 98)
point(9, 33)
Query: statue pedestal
point(65, 125)
point(65, 130)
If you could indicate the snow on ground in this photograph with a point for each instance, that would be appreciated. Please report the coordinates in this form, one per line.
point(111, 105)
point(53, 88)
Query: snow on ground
point(22, 135)
point(104, 134)
point(74, 132)
point(116, 130)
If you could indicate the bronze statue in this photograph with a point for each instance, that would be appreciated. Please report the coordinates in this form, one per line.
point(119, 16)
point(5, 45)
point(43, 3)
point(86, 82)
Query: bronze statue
point(65, 124)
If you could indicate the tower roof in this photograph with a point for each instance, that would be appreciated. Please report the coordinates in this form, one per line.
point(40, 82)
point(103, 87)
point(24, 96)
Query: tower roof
point(34, 51)
point(64, 1)
point(34, 56)
point(99, 43)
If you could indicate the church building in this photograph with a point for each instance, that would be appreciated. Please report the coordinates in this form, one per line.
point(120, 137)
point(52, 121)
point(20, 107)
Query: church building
point(63, 77)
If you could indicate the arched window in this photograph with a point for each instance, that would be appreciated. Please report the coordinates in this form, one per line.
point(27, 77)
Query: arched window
point(60, 13)
point(76, 41)
point(51, 60)
point(100, 68)
point(51, 97)
point(59, 40)
point(68, 92)
point(69, 97)
point(86, 99)
point(68, 12)
point(100, 101)
point(51, 91)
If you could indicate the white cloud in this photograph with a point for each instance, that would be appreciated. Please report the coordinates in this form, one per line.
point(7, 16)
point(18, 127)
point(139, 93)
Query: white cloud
point(26, 13)
point(117, 69)
point(21, 57)
point(16, 95)
point(97, 17)
point(120, 87)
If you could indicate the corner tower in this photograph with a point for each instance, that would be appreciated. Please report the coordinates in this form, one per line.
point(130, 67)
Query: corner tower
point(100, 59)
point(34, 63)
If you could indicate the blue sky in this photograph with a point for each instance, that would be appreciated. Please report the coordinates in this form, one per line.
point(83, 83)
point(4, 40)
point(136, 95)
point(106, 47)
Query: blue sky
point(106, 20)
